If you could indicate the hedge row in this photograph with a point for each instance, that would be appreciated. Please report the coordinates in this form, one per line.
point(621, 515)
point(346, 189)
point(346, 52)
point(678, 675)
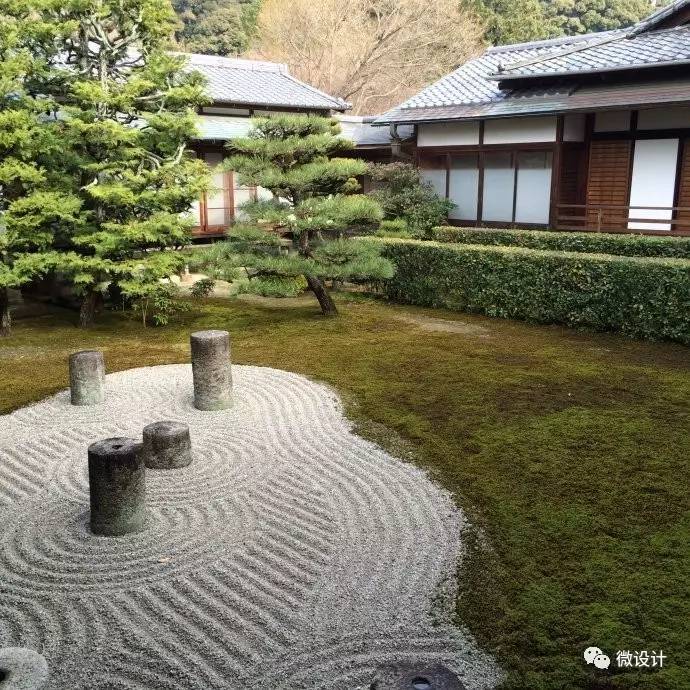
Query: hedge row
point(644, 297)
point(589, 242)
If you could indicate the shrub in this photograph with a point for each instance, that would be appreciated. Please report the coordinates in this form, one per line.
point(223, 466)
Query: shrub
point(646, 297)
point(403, 194)
point(590, 242)
point(156, 302)
point(202, 288)
point(272, 286)
point(394, 228)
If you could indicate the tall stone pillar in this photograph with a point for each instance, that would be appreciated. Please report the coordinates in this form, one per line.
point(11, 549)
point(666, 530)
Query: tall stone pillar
point(211, 370)
point(87, 377)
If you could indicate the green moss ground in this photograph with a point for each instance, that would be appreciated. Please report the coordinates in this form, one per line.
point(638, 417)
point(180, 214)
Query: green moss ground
point(569, 451)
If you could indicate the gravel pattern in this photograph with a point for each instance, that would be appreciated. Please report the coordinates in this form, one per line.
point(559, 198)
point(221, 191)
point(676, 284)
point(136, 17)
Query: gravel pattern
point(291, 553)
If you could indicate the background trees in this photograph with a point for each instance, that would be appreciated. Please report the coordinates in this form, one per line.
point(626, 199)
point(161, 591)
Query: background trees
point(515, 21)
point(583, 16)
point(216, 27)
point(314, 201)
point(371, 53)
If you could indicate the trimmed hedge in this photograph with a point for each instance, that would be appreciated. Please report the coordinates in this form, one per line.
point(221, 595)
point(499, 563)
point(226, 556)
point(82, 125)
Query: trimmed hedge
point(590, 242)
point(644, 297)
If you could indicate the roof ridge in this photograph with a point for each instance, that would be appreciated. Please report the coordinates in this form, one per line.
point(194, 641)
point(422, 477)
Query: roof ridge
point(227, 62)
point(609, 38)
point(555, 42)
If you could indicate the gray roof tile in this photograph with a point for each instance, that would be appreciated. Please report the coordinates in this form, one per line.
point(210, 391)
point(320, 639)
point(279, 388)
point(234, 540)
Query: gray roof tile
point(252, 82)
point(542, 102)
point(614, 52)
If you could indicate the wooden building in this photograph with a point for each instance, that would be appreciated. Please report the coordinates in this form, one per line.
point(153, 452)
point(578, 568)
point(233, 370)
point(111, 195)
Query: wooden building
point(241, 89)
point(588, 132)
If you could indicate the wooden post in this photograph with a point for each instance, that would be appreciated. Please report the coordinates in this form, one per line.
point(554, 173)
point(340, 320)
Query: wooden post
point(556, 173)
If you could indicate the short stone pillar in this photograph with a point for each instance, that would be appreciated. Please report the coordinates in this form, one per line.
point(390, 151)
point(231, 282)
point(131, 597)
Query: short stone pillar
point(167, 445)
point(211, 370)
point(416, 677)
point(117, 487)
point(87, 377)
point(22, 669)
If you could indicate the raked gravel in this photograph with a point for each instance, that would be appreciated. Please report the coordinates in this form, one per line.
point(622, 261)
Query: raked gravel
point(291, 553)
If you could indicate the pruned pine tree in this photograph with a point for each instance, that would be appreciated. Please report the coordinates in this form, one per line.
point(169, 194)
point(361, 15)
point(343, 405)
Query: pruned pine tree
point(127, 110)
point(29, 151)
point(314, 202)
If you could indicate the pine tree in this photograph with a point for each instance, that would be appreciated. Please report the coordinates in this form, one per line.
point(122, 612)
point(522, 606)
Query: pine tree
point(127, 110)
point(314, 202)
point(29, 151)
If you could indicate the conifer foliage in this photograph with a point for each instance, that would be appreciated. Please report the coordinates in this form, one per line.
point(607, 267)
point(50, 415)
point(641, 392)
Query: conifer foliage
point(313, 200)
point(123, 110)
point(29, 152)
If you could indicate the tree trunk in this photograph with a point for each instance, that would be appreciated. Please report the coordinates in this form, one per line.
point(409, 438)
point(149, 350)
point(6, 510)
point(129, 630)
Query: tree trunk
point(5, 315)
point(319, 289)
point(87, 312)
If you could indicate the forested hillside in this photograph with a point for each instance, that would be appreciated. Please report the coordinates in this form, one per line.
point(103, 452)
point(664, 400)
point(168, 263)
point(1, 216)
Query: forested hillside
point(216, 27)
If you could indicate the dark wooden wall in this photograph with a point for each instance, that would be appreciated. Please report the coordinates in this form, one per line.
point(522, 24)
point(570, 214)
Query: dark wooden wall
point(608, 181)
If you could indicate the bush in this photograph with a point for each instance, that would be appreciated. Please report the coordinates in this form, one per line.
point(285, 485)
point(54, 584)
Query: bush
point(403, 195)
point(590, 242)
point(202, 288)
point(645, 297)
point(272, 286)
point(394, 228)
point(156, 302)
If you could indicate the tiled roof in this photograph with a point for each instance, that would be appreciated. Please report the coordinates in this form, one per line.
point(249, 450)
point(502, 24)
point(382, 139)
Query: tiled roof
point(474, 89)
point(252, 82)
point(360, 130)
point(356, 128)
point(620, 51)
point(543, 102)
point(470, 84)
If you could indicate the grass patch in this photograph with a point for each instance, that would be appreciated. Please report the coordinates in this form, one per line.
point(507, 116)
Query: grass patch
point(569, 451)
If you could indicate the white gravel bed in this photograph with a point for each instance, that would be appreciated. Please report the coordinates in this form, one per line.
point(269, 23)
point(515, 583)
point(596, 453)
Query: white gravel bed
point(291, 553)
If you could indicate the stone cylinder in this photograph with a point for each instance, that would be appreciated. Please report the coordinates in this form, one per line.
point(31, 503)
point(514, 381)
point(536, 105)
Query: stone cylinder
point(87, 377)
point(167, 445)
point(22, 669)
point(117, 487)
point(211, 370)
point(416, 677)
